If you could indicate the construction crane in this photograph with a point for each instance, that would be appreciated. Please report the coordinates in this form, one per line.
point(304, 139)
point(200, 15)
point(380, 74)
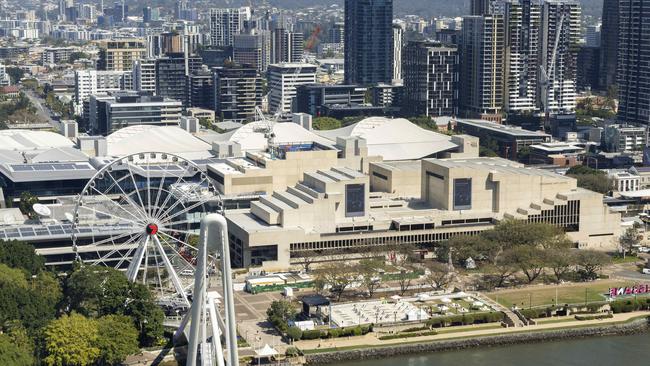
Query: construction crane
point(267, 123)
point(311, 41)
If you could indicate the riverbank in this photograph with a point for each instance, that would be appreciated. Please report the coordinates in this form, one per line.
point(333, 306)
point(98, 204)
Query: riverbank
point(630, 324)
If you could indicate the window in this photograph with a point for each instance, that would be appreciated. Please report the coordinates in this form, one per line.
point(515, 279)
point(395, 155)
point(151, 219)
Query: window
point(380, 176)
point(462, 194)
point(355, 200)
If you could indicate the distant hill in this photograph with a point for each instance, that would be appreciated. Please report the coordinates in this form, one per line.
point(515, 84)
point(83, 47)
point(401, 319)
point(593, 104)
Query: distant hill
point(428, 8)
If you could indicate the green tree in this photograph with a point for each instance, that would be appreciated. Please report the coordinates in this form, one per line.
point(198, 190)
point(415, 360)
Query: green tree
point(337, 276)
point(74, 56)
point(530, 259)
point(117, 338)
point(560, 261)
point(425, 122)
point(294, 333)
point(438, 276)
point(15, 74)
point(583, 169)
point(27, 201)
point(71, 340)
point(21, 255)
point(591, 262)
point(629, 239)
point(369, 272)
point(97, 291)
point(280, 312)
point(326, 123)
point(146, 314)
point(32, 302)
point(16, 348)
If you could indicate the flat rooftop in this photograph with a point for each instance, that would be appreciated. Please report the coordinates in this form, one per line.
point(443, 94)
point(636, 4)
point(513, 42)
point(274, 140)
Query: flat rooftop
point(496, 165)
point(403, 166)
point(505, 129)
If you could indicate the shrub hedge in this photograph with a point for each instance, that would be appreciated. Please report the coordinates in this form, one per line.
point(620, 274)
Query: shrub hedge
point(464, 319)
point(336, 332)
point(407, 335)
point(629, 305)
point(594, 316)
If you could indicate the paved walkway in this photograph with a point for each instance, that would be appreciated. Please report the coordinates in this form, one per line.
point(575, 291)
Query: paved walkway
point(371, 339)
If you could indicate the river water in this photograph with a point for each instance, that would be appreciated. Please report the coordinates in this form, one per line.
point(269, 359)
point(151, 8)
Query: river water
point(598, 351)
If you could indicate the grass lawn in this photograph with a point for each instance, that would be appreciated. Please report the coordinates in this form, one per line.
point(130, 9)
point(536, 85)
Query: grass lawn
point(567, 294)
point(628, 259)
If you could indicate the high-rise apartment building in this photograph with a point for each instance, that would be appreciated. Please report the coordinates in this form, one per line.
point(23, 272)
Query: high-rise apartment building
point(286, 46)
point(609, 44)
point(592, 35)
point(368, 41)
point(337, 33)
point(430, 79)
point(172, 74)
point(237, 91)
point(201, 90)
point(480, 7)
point(482, 66)
point(253, 50)
point(398, 45)
point(144, 76)
point(88, 82)
point(119, 55)
point(521, 47)
point(283, 79)
point(225, 23)
point(5, 80)
point(559, 44)
point(633, 62)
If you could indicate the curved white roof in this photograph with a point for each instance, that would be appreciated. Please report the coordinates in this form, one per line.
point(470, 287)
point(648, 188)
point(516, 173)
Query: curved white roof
point(394, 139)
point(25, 140)
point(168, 139)
point(251, 135)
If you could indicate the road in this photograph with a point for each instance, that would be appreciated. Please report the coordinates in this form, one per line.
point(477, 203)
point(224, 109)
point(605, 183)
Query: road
point(42, 110)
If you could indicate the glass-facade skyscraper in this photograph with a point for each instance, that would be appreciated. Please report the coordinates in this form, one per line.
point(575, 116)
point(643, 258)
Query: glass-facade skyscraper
point(368, 41)
point(633, 66)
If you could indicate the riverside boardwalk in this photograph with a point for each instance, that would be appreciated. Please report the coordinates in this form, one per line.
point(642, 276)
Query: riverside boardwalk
point(371, 339)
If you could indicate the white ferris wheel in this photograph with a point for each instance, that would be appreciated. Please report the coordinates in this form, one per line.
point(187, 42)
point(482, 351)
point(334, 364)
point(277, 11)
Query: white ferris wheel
point(142, 213)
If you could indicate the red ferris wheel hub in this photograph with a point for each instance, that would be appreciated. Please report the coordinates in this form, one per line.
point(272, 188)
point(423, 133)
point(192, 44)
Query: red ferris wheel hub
point(152, 229)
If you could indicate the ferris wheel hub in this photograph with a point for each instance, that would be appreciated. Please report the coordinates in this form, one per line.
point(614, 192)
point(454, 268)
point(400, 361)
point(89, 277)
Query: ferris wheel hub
point(152, 229)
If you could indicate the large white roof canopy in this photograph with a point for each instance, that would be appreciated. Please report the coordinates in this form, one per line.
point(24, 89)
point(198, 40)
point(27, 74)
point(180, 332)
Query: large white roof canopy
point(394, 139)
point(251, 136)
point(168, 139)
point(26, 140)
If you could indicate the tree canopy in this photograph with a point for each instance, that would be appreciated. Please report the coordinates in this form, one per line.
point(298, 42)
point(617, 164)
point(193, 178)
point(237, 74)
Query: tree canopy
point(16, 348)
point(71, 340)
point(326, 123)
point(100, 291)
point(21, 255)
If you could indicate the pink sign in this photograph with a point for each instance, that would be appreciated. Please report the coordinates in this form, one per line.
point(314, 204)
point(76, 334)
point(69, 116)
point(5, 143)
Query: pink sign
point(621, 291)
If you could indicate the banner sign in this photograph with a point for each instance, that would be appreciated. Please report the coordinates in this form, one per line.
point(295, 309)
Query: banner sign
point(621, 291)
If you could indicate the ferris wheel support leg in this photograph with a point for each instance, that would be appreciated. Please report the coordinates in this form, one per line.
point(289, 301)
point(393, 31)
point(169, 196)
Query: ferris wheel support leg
point(214, 235)
point(216, 334)
point(132, 271)
point(170, 270)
